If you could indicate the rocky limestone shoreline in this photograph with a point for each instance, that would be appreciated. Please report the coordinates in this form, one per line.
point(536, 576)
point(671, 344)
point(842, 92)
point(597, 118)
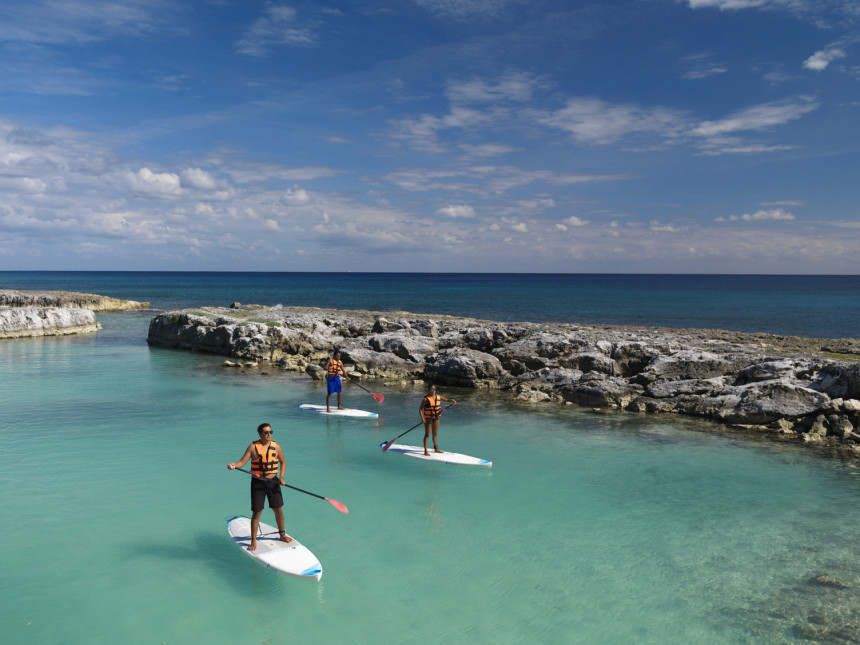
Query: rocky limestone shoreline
point(790, 388)
point(26, 322)
point(67, 300)
point(25, 314)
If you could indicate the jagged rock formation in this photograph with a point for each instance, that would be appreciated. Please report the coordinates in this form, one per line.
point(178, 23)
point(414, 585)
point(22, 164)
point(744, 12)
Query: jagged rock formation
point(20, 322)
point(67, 299)
point(785, 386)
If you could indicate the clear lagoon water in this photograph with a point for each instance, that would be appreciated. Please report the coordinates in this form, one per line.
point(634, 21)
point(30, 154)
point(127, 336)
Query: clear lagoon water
point(589, 528)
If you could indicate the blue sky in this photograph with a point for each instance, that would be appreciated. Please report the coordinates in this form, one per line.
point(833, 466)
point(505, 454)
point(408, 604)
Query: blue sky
point(712, 136)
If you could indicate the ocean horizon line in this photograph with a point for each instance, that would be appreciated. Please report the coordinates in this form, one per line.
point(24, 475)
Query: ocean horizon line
point(516, 273)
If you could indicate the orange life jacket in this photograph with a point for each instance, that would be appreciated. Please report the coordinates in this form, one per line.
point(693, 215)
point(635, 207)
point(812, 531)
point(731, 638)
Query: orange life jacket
point(334, 367)
point(432, 409)
point(265, 462)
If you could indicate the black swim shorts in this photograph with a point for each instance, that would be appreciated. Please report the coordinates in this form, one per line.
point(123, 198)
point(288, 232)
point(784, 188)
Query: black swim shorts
point(260, 490)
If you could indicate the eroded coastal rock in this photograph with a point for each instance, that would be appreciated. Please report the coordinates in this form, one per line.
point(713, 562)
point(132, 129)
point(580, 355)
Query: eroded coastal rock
point(788, 387)
point(55, 313)
point(68, 300)
point(21, 322)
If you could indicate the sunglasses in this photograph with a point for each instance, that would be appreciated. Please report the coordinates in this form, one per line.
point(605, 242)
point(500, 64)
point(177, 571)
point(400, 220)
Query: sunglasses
point(266, 432)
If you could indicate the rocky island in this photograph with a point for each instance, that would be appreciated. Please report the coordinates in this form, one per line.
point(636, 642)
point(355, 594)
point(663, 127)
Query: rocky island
point(55, 313)
point(806, 390)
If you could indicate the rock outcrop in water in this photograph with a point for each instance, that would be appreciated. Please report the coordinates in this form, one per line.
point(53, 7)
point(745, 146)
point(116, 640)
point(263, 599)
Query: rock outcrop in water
point(68, 300)
point(785, 386)
point(55, 313)
point(20, 322)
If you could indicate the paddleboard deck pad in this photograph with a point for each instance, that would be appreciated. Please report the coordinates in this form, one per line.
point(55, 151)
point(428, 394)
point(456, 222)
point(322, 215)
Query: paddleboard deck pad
point(349, 412)
point(290, 558)
point(445, 457)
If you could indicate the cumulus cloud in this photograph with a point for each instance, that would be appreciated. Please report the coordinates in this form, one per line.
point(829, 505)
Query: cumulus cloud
point(521, 227)
point(146, 182)
point(457, 211)
point(573, 220)
point(22, 184)
point(296, 196)
point(197, 178)
point(277, 26)
point(822, 58)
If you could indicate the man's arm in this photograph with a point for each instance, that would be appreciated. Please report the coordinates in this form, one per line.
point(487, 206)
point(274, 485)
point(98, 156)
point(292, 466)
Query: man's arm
point(242, 461)
point(283, 465)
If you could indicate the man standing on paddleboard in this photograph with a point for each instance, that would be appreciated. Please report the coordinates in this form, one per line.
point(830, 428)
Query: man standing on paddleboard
point(430, 410)
point(267, 468)
point(333, 369)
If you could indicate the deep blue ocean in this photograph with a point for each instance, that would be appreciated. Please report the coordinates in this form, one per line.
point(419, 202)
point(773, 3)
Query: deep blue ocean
point(811, 306)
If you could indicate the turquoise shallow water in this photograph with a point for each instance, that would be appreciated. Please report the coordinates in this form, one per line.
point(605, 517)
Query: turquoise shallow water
point(588, 529)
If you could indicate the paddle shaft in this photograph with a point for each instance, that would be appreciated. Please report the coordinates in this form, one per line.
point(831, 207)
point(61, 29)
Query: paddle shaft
point(388, 443)
point(376, 397)
point(301, 490)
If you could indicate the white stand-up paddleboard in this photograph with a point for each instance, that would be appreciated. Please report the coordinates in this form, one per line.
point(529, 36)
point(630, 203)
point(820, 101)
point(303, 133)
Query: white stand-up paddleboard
point(291, 558)
point(349, 412)
point(445, 457)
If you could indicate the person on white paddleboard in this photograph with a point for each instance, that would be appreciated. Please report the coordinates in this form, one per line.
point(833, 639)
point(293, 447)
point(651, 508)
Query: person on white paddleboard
point(430, 410)
point(333, 369)
point(267, 466)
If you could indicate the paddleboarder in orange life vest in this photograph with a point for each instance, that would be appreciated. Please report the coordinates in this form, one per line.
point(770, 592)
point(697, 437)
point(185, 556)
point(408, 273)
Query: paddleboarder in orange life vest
point(430, 411)
point(333, 370)
point(267, 459)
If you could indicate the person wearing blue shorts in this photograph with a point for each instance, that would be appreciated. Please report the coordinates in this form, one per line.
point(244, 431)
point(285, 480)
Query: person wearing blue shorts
point(334, 369)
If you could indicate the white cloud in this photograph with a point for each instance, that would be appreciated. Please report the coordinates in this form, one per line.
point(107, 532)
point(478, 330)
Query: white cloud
point(197, 178)
point(22, 184)
point(573, 220)
point(457, 211)
point(464, 9)
point(785, 202)
point(701, 66)
point(144, 181)
point(758, 117)
point(777, 214)
point(520, 228)
point(79, 21)
point(486, 150)
point(727, 4)
point(275, 27)
point(513, 87)
point(296, 196)
point(595, 122)
point(822, 58)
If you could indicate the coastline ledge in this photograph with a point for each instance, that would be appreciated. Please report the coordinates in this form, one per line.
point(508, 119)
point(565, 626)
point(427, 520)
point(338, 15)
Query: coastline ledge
point(67, 300)
point(801, 389)
point(28, 314)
